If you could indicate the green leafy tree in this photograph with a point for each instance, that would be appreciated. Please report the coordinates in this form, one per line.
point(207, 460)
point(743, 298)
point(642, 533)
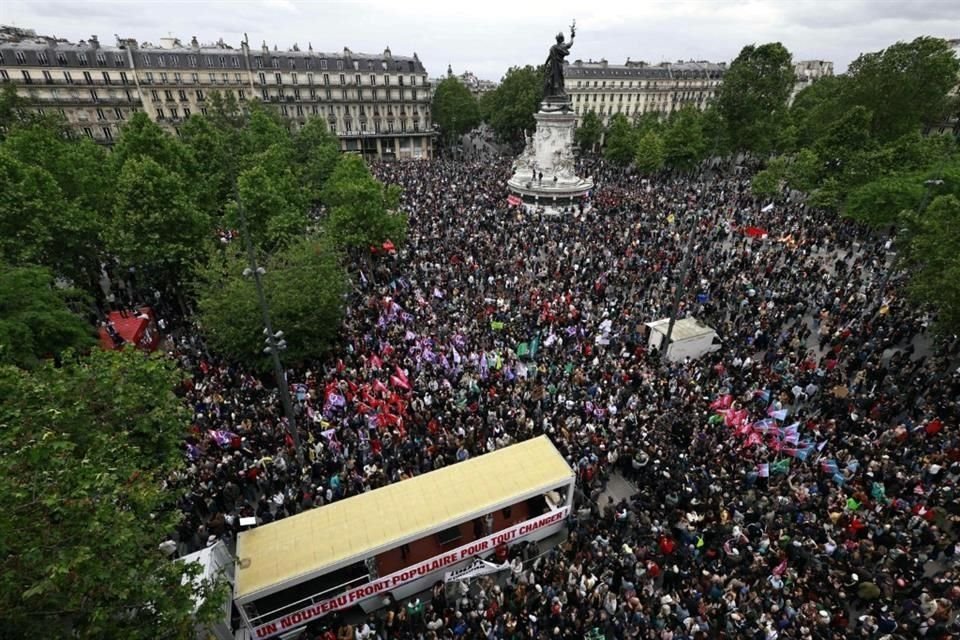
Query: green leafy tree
point(650, 155)
point(455, 110)
point(36, 320)
point(804, 171)
point(588, 134)
point(362, 211)
point(509, 108)
point(753, 96)
point(684, 145)
point(263, 128)
point(141, 137)
point(86, 451)
point(880, 202)
point(649, 121)
point(81, 204)
point(155, 225)
point(304, 286)
point(30, 201)
point(12, 109)
point(213, 148)
point(768, 182)
point(316, 152)
point(275, 204)
point(933, 254)
point(224, 111)
point(621, 141)
point(815, 107)
point(715, 132)
point(904, 86)
point(845, 137)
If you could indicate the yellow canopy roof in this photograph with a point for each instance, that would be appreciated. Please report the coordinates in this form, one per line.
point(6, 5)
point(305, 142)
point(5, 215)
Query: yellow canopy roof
point(353, 529)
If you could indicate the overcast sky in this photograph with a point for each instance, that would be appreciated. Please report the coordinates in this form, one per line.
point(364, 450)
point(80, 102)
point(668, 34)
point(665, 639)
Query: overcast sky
point(488, 36)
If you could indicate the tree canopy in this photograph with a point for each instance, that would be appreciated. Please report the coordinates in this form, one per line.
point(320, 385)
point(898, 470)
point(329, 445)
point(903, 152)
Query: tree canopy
point(650, 156)
point(156, 227)
point(621, 141)
point(753, 97)
point(85, 451)
point(684, 145)
point(36, 320)
point(509, 108)
point(904, 86)
point(588, 134)
point(455, 110)
point(362, 211)
point(304, 287)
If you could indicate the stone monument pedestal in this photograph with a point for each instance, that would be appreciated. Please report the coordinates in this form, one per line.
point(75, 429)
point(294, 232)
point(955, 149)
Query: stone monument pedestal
point(544, 176)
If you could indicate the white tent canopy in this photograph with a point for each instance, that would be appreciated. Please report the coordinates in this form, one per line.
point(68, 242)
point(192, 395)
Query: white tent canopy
point(690, 338)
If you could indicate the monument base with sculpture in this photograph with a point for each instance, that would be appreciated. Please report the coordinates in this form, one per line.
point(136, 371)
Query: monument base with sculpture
point(545, 175)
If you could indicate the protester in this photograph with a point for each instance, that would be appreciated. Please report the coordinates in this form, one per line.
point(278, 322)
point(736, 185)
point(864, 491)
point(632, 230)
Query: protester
point(798, 483)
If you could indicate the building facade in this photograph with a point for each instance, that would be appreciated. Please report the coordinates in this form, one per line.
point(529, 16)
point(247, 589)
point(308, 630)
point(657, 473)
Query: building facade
point(636, 88)
point(377, 104)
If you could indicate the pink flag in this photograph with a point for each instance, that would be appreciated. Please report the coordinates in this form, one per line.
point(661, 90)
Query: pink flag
point(780, 568)
point(763, 470)
point(375, 362)
point(723, 402)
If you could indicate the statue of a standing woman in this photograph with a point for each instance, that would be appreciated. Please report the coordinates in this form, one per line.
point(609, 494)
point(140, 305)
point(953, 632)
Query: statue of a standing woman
point(553, 83)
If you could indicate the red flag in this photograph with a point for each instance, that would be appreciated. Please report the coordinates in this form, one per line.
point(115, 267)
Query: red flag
point(934, 427)
point(388, 247)
point(397, 382)
point(403, 377)
point(375, 362)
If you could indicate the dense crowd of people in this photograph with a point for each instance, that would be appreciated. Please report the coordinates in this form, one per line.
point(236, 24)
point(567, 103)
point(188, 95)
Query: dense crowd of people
point(799, 482)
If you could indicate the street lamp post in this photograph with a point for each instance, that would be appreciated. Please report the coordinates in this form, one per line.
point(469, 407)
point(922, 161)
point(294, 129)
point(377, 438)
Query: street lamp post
point(273, 339)
point(680, 286)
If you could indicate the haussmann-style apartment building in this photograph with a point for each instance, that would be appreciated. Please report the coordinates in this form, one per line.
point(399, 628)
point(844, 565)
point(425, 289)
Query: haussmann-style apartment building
point(636, 88)
point(377, 104)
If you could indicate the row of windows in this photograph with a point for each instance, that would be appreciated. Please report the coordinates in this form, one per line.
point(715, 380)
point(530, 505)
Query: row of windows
point(654, 97)
point(338, 64)
point(646, 84)
point(173, 60)
point(328, 94)
point(356, 81)
point(193, 78)
point(603, 110)
point(44, 58)
point(182, 95)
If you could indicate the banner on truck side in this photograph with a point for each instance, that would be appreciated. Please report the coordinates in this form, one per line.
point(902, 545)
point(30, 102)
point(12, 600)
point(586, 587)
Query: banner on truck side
point(386, 584)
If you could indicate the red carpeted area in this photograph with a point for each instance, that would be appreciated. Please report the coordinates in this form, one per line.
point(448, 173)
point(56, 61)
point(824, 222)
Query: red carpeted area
point(132, 328)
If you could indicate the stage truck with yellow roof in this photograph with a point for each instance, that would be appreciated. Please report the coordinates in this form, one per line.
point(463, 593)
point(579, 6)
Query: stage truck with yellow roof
point(399, 540)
